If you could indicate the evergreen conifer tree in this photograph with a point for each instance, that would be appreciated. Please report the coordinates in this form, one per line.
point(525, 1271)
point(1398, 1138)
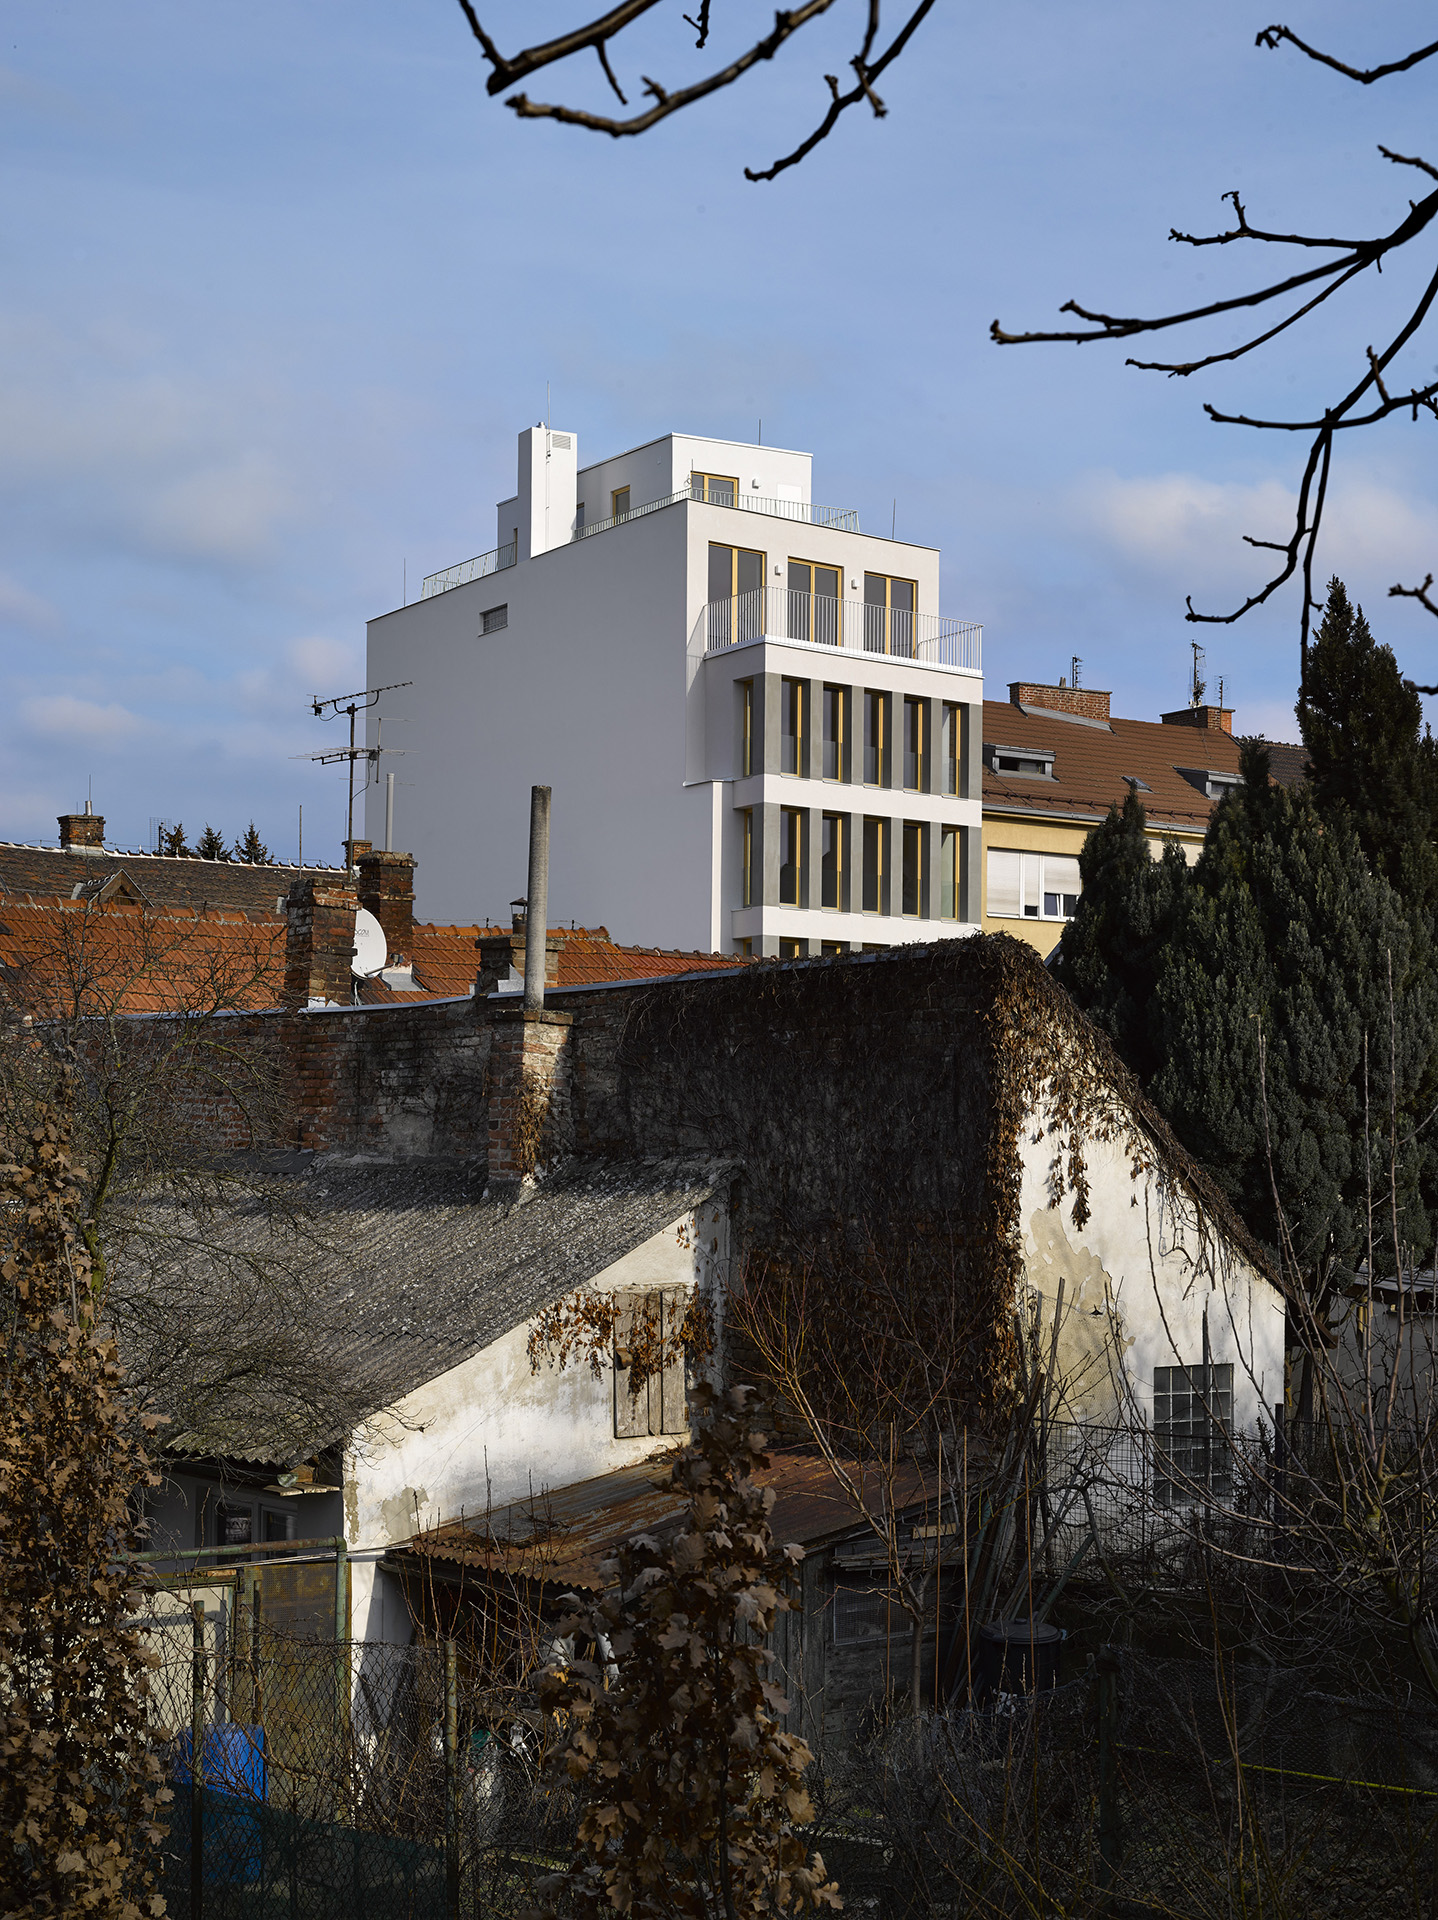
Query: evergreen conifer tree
point(211, 845)
point(1371, 759)
point(252, 850)
point(172, 842)
point(1112, 949)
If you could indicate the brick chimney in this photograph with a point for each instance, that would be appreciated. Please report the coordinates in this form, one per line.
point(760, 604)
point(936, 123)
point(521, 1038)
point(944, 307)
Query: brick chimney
point(498, 952)
point(319, 943)
point(82, 832)
point(528, 1084)
point(1087, 702)
point(386, 888)
point(355, 851)
point(1208, 719)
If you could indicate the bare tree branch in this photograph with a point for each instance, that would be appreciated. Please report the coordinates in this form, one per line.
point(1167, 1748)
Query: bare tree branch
point(1273, 37)
point(1354, 410)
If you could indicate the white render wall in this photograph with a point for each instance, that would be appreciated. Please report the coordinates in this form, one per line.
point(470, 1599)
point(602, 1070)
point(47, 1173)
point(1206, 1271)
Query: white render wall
point(593, 689)
point(491, 1430)
point(1137, 1280)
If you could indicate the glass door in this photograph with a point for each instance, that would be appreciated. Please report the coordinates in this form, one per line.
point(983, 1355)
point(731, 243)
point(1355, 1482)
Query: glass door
point(889, 607)
point(814, 610)
point(736, 595)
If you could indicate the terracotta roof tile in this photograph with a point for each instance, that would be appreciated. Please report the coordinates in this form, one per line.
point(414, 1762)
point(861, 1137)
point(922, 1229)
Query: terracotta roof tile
point(1092, 764)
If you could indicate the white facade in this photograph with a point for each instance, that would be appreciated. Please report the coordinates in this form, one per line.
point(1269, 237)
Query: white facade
point(1148, 1285)
point(687, 734)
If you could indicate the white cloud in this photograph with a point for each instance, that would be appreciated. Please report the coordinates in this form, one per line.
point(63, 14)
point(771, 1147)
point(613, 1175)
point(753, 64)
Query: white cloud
point(26, 609)
point(1189, 531)
point(64, 717)
point(188, 465)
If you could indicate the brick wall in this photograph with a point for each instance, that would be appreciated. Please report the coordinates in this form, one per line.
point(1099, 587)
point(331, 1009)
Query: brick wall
point(1088, 701)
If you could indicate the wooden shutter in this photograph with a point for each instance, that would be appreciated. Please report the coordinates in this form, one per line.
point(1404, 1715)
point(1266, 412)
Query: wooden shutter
point(674, 1398)
point(631, 1410)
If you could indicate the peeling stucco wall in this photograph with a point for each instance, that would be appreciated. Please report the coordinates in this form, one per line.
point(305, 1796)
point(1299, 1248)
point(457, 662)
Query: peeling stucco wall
point(492, 1430)
point(1138, 1277)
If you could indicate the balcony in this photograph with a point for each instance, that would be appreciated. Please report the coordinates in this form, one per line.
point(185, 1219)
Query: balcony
point(484, 563)
point(780, 613)
point(844, 519)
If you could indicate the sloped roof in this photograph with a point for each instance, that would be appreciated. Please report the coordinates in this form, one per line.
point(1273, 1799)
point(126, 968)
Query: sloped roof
point(134, 956)
point(1287, 763)
point(167, 881)
point(563, 1535)
point(399, 1273)
point(1094, 760)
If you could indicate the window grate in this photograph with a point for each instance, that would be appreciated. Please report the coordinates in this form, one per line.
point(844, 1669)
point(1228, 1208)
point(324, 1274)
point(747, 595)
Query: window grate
point(494, 618)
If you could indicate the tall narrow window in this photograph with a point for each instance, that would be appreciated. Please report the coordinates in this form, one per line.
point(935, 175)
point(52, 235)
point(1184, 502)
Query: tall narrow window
point(913, 868)
point(791, 949)
point(949, 749)
point(736, 594)
point(876, 833)
point(619, 503)
point(949, 874)
point(792, 701)
point(745, 690)
point(889, 615)
point(1192, 1419)
point(836, 733)
point(835, 826)
point(916, 715)
point(814, 610)
point(791, 856)
point(876, 739)
point(746, 882)
point(578, 518)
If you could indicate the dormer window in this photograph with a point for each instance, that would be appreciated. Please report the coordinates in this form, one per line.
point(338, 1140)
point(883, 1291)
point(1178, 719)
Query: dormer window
point(1212, 784)
point(1035, 763)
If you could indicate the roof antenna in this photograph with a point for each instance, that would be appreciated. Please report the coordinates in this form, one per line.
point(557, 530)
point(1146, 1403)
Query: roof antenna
point(546, 405)
point(1075, 667)
point(893, 519)
point(1200, 686)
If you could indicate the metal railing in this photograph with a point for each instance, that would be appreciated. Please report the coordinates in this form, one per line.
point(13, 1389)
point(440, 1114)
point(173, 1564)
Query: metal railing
point(844, 519)
point(780, 613)
point(483, 563)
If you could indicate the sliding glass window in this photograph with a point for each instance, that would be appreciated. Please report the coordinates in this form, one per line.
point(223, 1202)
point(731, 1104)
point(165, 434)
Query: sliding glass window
point(718, 489)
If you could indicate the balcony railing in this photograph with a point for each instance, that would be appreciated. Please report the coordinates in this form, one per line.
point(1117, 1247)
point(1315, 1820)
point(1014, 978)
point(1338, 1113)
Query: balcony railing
point(779, 613)
point(845, 519)
point(484, 563)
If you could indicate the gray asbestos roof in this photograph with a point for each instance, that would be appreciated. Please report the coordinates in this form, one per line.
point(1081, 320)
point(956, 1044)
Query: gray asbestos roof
point(364, 1282)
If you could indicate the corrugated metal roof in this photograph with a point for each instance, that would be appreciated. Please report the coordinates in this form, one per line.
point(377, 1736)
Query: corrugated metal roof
point(398, 1273)
point(563, 1535)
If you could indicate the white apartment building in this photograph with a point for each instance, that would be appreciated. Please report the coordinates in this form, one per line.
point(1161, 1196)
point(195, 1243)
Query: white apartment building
point(760, 733)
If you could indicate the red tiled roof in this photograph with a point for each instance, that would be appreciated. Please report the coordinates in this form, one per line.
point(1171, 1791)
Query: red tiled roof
point(120, 956)
point(1093, 762)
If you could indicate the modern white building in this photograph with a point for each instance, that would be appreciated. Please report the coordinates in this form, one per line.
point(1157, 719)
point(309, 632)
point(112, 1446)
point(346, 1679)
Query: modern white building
point(760, 733)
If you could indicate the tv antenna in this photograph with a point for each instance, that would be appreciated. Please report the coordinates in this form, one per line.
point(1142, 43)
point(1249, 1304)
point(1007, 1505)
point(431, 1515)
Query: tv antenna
point(1200, 685)
point(1075, 669)
point(351, 704)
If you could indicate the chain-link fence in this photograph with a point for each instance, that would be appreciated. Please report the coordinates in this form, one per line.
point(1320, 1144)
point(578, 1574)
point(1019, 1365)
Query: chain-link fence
point(316, 1779)
point(1149, 1786)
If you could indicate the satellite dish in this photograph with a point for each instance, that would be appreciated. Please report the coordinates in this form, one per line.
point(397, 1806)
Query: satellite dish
point(371, 947)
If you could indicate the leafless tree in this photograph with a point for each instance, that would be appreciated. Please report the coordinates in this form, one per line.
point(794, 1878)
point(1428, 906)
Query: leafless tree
point(597, 34)
point(1376, 390)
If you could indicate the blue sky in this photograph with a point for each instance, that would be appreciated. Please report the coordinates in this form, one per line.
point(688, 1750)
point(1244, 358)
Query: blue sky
point(282, 283)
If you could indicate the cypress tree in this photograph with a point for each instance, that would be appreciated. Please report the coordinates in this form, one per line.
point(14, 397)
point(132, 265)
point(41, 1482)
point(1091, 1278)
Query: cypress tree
point(1372, 761)
point(1112, 949)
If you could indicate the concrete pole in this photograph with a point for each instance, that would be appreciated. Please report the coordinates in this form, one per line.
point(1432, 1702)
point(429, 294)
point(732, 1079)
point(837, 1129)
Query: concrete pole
point(536, 912)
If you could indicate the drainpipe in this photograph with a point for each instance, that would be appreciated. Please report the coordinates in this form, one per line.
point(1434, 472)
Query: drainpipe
point(536, 912)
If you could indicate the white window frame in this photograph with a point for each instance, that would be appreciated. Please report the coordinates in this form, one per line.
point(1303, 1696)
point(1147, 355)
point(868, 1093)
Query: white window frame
point(1040, 892)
